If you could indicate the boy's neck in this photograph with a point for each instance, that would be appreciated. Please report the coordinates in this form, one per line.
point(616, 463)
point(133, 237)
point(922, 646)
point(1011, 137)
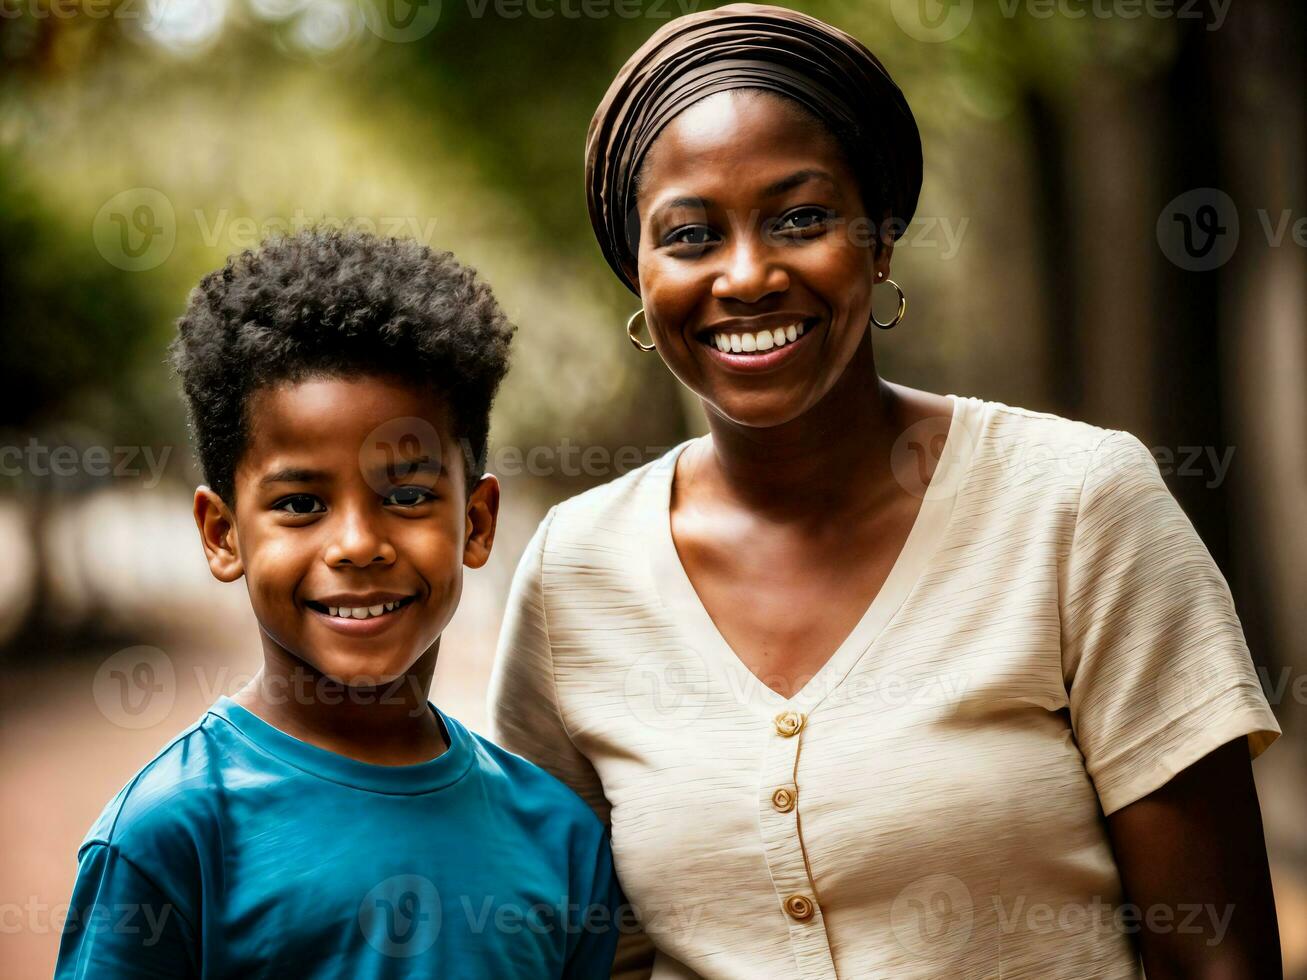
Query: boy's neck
point(388, 725)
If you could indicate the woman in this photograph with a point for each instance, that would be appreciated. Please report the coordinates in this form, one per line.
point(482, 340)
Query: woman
point(870, 681)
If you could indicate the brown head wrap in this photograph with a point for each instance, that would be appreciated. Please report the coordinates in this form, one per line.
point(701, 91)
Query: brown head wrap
point(746, 45)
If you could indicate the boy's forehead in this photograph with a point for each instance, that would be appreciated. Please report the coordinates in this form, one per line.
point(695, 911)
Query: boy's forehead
point(364, 417)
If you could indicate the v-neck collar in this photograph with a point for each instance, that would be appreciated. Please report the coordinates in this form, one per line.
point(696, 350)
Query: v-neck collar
point(678, 596)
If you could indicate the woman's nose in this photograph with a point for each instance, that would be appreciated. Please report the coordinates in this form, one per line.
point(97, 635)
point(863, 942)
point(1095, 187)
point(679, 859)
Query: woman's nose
point(358, 541)
point(751, 272)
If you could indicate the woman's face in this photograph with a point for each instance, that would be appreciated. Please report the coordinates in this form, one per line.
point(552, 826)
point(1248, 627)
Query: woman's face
point(756, 259)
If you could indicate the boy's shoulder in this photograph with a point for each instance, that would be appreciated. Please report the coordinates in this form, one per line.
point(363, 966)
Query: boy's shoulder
point(524, 786)
point(170, 793)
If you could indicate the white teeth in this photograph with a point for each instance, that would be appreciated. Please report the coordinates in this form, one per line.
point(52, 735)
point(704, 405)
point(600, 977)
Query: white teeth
point(361, 612)
point(762, 340)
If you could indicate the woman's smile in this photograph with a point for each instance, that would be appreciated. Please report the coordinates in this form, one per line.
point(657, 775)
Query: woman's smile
point(759, 343)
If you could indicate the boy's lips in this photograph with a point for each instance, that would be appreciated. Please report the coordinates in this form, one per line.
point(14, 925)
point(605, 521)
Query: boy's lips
point(360, 614)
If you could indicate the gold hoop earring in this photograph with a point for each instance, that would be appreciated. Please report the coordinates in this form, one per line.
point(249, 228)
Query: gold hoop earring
point(903, 308)
point(633, 330)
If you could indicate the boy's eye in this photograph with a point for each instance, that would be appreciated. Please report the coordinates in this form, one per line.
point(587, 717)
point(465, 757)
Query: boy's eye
point(300, 503)
point(409, 496)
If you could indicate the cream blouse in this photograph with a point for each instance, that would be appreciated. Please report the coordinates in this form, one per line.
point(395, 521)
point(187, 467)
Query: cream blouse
point(1053, 643)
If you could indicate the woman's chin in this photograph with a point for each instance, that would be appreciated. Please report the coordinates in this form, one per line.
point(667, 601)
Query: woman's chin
point(766, 409)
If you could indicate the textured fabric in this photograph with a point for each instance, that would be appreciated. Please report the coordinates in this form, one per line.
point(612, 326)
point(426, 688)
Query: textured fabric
point(240, 851)
point(746, 45)
point(1053, 643)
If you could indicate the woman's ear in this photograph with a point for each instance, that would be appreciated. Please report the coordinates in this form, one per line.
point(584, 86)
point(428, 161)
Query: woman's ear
point(882, 253)
point(217, 527)
point(482, 514)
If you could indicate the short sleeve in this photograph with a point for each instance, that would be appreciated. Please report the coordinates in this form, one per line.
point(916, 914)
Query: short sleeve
point(600, 914)
point(525, 716)
point(122, 925)
point(1157, 669)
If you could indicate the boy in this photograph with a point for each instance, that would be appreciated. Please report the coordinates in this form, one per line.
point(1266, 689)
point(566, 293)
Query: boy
point(327, 820)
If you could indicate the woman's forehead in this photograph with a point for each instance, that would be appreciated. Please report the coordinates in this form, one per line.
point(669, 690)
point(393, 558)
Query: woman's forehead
point(740, 137)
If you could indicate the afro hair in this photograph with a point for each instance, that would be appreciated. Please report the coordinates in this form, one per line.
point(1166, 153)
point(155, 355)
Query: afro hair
point(336, 303)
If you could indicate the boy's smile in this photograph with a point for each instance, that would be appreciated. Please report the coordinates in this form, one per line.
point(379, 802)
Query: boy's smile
point(350, 530)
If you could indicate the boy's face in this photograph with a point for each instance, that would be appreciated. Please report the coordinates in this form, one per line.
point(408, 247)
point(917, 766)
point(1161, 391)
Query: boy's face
point(352, 523)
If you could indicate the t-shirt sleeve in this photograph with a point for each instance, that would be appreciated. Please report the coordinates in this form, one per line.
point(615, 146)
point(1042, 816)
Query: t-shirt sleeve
point(601, 914)
point(525, 717)
point(121, 924)
point(1157, 669)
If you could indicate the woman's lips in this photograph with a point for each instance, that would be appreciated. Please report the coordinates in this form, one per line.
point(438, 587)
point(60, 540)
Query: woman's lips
point(761, 360)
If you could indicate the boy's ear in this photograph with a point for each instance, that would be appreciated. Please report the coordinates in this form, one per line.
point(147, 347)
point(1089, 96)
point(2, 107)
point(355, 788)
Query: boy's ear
point(482, 513)
point(218, 535)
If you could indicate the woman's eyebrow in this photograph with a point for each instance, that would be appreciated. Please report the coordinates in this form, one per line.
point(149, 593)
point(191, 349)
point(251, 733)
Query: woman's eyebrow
point(697, 203)
point(796, 179)
point(774, 189)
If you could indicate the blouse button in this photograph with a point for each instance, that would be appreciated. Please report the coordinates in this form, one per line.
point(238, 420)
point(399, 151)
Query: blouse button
point(800, 908)
point(788, 723)
point(783, 800)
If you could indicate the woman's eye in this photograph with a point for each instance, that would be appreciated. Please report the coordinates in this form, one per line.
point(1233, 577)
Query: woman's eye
point(804, 219)
point(689, 235)
point(300, 503)
point(409, 496)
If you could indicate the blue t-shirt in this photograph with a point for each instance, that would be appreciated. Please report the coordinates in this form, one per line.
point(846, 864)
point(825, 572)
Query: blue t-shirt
point(240, 851)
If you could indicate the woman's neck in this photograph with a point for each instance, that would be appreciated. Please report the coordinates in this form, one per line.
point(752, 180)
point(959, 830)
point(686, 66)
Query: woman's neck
point(836, 456)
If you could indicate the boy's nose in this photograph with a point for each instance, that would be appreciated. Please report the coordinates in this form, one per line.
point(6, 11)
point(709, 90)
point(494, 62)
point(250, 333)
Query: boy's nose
point(358, 542)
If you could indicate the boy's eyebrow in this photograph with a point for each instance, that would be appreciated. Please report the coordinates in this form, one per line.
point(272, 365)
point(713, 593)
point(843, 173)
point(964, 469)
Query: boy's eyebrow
point(293, 474)
point(407, 467)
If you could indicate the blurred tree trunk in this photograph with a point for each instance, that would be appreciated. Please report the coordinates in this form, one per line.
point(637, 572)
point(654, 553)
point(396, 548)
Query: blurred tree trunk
point(1258, 69)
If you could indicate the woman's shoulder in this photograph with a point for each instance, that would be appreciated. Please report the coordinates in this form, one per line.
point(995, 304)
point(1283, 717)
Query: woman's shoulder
point(1028, 442)
point(623, 505)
